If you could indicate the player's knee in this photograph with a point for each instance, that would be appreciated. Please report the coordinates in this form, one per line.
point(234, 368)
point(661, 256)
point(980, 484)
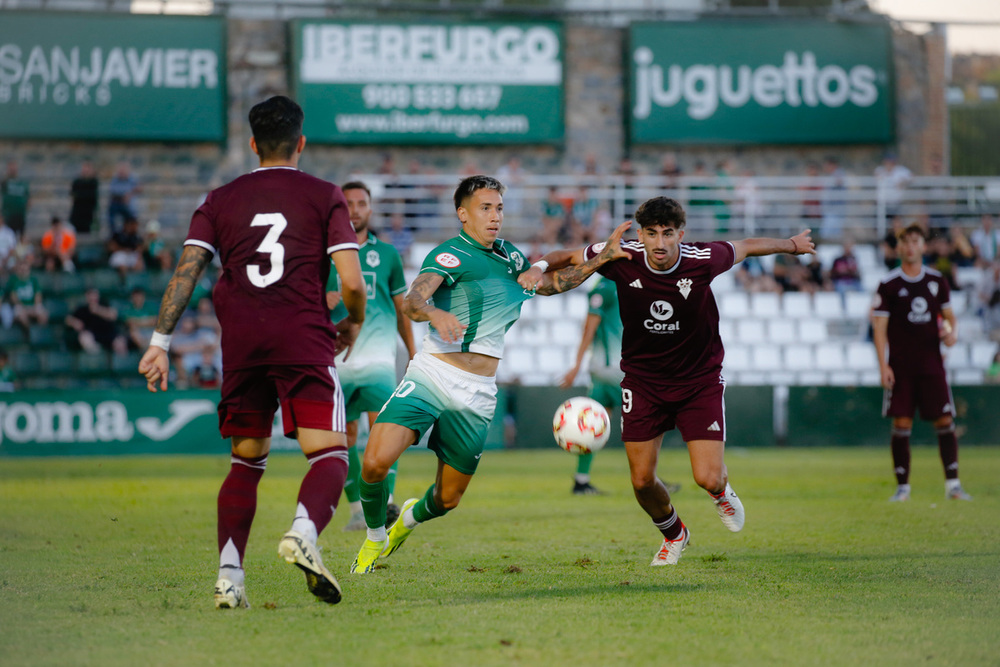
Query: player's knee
point(375, 468)
point(449, 499)
point(710, 478)
point(644, 482)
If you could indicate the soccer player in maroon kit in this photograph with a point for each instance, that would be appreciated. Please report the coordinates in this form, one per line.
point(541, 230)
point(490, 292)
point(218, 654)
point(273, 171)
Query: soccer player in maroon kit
point(275, 230)
point(672, 358)
point(912, 316)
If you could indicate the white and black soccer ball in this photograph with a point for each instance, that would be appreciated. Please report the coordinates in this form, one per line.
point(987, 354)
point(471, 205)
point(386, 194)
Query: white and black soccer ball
point(581, 425)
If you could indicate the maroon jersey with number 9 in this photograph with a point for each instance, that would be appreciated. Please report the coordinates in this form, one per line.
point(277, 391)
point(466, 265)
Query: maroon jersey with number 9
point(274, 230)
point(670, 338)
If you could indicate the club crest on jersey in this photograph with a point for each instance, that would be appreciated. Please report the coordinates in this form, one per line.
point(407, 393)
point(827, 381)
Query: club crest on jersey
point(933, 287)
point(518, 260)
point(598, 247)
point(372, 258)
point(661, 311)
point(684, 287)
point(448, 261)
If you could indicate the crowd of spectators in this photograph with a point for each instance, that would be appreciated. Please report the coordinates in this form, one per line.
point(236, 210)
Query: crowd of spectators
point(719, 198)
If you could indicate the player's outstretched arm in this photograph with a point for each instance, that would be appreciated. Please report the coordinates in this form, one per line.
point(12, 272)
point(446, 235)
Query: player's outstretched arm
point(800, 244)
point(417, 306)
point(155, 364)
point(555, 282)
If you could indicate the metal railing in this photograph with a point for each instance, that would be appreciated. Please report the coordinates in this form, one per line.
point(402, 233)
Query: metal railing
point(860, 207)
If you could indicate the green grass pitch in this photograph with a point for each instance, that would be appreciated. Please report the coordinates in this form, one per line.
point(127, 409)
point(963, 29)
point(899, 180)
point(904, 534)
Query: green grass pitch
point(111, 561)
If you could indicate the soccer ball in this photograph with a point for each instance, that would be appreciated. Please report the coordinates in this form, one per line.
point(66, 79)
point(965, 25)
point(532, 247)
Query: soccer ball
point(581, 425)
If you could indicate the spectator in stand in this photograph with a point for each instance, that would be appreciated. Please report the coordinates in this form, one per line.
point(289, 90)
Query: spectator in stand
point(791, 275)
point(939, 256)
point(139, 318)
point(15, 193)
point(400, 237)
point(96, 325)
point(963, 254)
point(59, 247)
point(8, 380)
point(834, 205)
point(121, 191)
point(513, 176)
point(126, 248)
point(628, 174)
point(582, 215)
point(554, 217)
point(8, 244)
point(812, 195)
point(752, 276)
point(748, 204)
point(208, 373)
point(989, 301)
point(844, 272)
point(890, 255)
point(993, 372)
point(155, 254)
point(816, 279)
point(84, 191)
point(670, 171)
point(187, 346)
point(24, 299)
point(893, 179)
point(206, 318)
point(986, 241)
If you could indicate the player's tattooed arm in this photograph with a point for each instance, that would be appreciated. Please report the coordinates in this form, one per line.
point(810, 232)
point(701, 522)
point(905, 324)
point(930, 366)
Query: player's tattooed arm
point(555, 282)
point(416, 303)
point(193, 261)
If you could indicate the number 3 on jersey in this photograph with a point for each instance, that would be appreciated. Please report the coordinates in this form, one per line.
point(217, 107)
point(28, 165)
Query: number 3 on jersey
point(269, 245)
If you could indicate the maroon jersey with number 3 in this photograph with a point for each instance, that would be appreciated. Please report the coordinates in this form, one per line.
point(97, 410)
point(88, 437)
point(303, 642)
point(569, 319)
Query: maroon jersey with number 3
point(670, 337)
point(274, 230)
point(913, 305)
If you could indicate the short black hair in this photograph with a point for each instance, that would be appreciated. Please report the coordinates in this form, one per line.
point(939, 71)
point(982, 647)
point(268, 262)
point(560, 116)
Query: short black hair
point(469, 185)
point(356, 185)
point(661, 211)
point(913, 228)
point(276, 124)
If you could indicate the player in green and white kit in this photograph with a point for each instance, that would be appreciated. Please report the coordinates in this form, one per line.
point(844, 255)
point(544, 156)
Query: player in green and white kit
point(368, 373)
point(477, 283)
point(602, 335)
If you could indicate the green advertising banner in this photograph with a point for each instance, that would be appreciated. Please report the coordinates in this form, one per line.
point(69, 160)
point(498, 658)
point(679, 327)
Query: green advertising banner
point(785, 82)
point(429, 83)
point(92, 76)
point(106, 423)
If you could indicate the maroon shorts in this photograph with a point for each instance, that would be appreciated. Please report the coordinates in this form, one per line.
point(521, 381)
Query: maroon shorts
point(699, 414)
point(928, 393)
point(310, 397)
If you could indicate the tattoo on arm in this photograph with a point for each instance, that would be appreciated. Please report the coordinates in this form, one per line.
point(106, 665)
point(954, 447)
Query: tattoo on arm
point(415, 304)
point(193, 261)
point(569, 277)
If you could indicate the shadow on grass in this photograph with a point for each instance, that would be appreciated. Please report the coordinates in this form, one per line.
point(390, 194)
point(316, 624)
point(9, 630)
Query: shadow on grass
point(621, 590)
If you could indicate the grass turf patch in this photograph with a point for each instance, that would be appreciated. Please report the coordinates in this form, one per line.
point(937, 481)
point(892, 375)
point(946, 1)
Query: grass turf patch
point(111, 561)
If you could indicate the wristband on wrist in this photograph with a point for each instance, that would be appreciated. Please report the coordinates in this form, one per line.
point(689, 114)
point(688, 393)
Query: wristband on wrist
point(160, 340)
point(542, 265)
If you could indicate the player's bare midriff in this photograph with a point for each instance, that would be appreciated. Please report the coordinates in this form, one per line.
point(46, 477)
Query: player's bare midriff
point(471, 362)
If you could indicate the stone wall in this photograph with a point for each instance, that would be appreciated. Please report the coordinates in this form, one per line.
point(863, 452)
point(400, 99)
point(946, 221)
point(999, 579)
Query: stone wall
point(177, 175)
